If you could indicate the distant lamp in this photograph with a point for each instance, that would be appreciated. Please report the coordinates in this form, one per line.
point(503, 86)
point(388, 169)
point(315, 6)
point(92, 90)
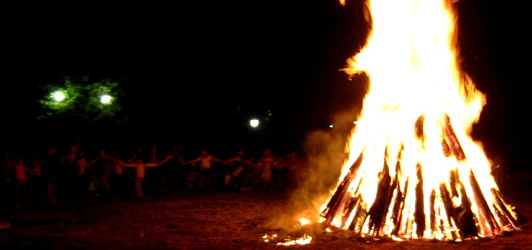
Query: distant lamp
point(58, 96)
point(254, 123)
point(105, 99)
point(331, 126)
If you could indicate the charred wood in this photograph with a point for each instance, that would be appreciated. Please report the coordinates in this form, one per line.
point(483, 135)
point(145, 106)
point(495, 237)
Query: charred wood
point(419, 213)
point(341, 192)
point(483, 205)
point(452, 141)
point(377, 212)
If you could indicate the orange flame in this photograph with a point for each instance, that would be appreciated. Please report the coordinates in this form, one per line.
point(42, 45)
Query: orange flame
point(304, 221)
point(304, 240)
point(413, 166)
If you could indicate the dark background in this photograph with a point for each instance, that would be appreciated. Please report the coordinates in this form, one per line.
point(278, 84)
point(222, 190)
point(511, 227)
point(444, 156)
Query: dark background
point(196, 71)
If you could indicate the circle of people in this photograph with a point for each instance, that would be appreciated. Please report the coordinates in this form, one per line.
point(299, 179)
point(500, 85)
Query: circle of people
point(52, 176)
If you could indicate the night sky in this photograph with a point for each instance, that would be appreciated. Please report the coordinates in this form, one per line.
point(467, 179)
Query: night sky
point(204, 66)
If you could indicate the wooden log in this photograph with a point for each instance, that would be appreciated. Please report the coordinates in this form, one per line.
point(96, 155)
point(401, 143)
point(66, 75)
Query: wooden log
point(391, 191)
point(466, 221)
point(461, 217)
point(453, 183)
point(398, 208)
point(377, 212)
point(467, 225)
point(418, 128)
point(432, 202)
point(450, 137)
point(516, 220)
point(483, 205)
point(394, 188)
point(452, 216)
point(349, 209)
point(341, 199)
point(445, 148)
point(359, 219)
point(341, 191)
point(419, 213)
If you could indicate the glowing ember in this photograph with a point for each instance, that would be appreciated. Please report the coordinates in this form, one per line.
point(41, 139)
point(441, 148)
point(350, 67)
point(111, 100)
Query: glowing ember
point(413, 170)
point(267, 238)
point(304, 240)
point(301, 241)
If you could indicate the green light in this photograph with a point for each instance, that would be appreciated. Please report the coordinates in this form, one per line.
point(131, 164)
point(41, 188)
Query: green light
point(58, 96)
point(105, 99)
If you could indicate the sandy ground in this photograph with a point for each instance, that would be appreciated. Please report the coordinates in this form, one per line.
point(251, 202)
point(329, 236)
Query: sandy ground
point(216, 220)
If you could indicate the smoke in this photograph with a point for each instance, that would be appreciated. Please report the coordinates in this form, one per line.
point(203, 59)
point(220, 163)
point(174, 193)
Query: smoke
point(325, 154)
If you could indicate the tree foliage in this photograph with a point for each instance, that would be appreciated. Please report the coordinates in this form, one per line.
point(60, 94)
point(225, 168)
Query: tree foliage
point(82, 100)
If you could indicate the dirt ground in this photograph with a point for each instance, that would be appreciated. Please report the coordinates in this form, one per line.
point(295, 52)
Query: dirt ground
point(215, 220)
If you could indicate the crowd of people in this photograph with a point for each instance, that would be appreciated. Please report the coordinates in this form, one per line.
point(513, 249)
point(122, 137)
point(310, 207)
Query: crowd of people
point(55, 174)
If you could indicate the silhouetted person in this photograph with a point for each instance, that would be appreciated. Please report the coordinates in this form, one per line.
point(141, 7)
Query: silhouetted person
point(36, 187)
point(118, 178)
point(265, 167)
point(153, 175)
point(205, 168)
point(49, 168)
point(21, 178)
point(174, 172)
point(140, 167)
point(82, 176)
point(291, 168)
point(67, 173)
point(102, 170)
point(240, 166)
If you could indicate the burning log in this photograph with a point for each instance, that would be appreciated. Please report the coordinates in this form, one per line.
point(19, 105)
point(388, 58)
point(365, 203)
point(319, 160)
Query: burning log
point(419, 210)
point(461, 216)
point(377, 212)
point(485, 211)
point(503, 210)
point(449, 206)
point(358, 219)
point(341, 193)
point(452, 145)
point(398, 208)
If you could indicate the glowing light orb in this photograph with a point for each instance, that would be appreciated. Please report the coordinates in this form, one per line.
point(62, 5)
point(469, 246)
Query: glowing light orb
point(254, 123)
point(58, 96)
point(105, 99)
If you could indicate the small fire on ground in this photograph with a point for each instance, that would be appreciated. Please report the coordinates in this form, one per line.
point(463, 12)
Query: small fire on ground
point(288, 241)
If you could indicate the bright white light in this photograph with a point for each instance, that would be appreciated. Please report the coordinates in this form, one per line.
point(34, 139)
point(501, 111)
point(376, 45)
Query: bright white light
point(59, 96)
point(254, 123)
point(355, 122)
point(105, 99)
point(331, 126)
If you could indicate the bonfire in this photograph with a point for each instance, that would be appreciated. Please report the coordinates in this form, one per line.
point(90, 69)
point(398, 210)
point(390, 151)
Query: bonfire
point(413, 170)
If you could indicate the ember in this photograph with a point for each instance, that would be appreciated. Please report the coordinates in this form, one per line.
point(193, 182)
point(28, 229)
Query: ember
point(303, 240)
point(413, 169)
